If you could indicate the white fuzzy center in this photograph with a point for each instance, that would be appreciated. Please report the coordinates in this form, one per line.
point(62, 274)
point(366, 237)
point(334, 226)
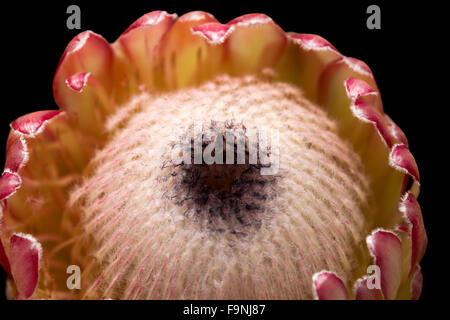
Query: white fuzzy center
point(148, 244)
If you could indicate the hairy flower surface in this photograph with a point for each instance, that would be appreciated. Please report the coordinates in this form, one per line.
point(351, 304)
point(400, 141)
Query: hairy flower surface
point(94, 184)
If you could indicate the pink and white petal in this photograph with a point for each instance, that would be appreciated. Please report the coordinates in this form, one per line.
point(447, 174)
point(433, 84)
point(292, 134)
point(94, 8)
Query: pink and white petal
point(328, 286)
point(304, 59)
point(386, 249)
point(150, 21)
point(78, 81)
point(413, 215)
point(344, 68)
point(16, 152)
point(211, 50)
point(25, 253)
point(402, 159)
point(337, 90)
point(362, 291)
point(33, 123)
point(140, 41)
point(37, 133)
point(202, 57)
point(416, 283)
point(214, 32)
point(9, 183)
point(4, 261)
point(89, 89)
point(89, 94)
point(370, 137)
point(352, 103)
point(180, 47)
point(403, 232)
point(396, 132)
point(255, 43)
point(87, 52)
point(366, 112)
point(356, 88)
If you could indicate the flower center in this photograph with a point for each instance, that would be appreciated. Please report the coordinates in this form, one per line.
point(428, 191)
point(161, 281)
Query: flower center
point(165, 229)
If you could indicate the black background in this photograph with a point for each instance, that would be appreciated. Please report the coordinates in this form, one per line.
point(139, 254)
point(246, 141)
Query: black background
point(34, 35)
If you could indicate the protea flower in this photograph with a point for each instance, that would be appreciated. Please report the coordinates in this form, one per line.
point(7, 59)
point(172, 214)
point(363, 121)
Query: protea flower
point(91, 184)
